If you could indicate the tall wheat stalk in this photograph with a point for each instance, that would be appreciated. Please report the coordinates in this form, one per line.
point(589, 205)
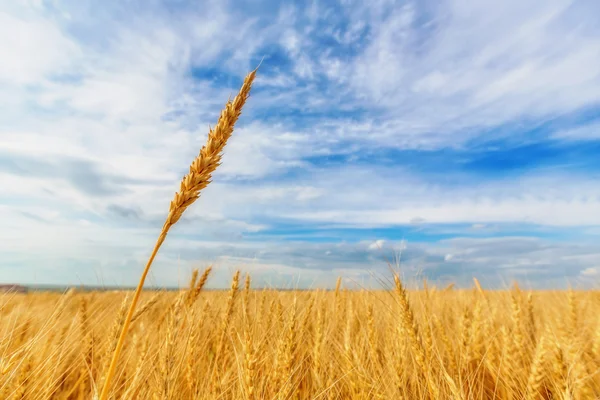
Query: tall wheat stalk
point(197, 179)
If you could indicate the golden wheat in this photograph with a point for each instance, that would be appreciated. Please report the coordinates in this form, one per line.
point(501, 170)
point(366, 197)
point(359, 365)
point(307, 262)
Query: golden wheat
point(199, 176)
point(295, 344)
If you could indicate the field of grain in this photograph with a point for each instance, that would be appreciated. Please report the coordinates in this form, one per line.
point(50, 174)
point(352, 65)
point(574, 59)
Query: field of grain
point(268, 344)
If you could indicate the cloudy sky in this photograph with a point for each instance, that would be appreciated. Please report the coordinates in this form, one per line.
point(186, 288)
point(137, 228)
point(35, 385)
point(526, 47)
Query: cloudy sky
point(463, 135)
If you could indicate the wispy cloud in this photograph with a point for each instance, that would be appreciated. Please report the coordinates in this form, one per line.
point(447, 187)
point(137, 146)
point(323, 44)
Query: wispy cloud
point(471, 130)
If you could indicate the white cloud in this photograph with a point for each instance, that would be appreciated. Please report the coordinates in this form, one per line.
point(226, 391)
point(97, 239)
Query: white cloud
point(439, 70)
point(100, 119)
point(32, 49)
point(556, 213)
point(384, 198)
point(377, 245)
point(591, 272)
point(586, 132)
point(259, 150)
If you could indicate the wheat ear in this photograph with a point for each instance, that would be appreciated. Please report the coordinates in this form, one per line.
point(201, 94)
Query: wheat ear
point(197, 179)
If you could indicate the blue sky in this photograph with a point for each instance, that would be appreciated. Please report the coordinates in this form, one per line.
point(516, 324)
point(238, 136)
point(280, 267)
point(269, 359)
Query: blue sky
point(464, 135)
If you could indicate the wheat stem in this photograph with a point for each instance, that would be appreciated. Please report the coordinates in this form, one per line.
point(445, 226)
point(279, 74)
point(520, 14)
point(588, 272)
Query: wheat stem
point(191, 185)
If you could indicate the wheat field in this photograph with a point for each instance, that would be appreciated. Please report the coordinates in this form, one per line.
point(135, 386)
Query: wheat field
point(269, 344)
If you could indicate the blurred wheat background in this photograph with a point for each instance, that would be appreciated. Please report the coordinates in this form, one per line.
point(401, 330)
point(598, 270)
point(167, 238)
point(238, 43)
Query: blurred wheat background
point(267, 344)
